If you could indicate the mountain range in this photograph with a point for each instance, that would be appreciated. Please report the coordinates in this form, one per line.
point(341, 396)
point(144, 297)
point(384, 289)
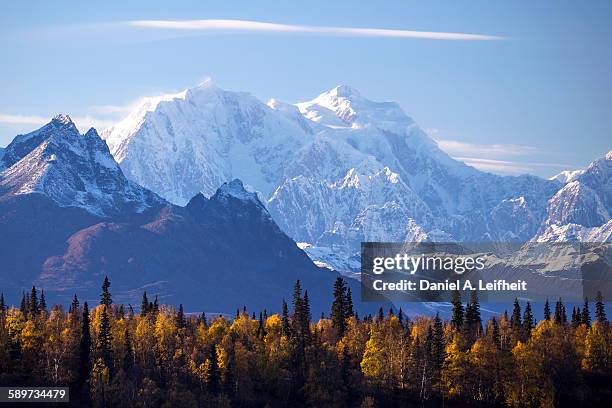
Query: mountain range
point(69, 217)
point(341, 169)
point(157, 201)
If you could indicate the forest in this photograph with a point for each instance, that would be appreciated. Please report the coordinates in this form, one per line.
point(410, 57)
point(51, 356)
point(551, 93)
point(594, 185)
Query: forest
point(111, 356)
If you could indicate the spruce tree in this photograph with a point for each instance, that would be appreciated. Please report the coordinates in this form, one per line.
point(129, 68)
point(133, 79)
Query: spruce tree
point(180, 317)
point(42, 306)
point(85, 347)
point(105, 338)
point(528, 322)
point(74, 307)
point(33, 305)
point(474, 322)
point(495, 332)
point(600, 309)
point(349, 303)
point(560, 315)
point(437, 345)
point(105, 297)
point(155, 308)
point(546, 310)
point(339, 307)
point(575, 318)
point(515, 319)
point(285, 329)
point(24, 307)
point(585, 317)
point(2, 304)
point(144, 305)
point(457, 315)
point(214, 379)
point(128, 358)
point(307, 314)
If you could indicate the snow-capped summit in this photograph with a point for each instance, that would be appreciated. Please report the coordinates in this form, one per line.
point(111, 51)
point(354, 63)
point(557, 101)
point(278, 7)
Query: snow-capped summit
point(60, 118)
point(235, 189)
point(194, 141)
point(72, 169)
point(336, 170)
point(584, 203)
point(344, 106)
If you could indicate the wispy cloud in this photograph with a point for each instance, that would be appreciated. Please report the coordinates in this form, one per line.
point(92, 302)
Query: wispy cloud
point(259, 26)
point(499, 158)
point(82, 122)
point(457, 148)
point(8, 119)
point(512, 167)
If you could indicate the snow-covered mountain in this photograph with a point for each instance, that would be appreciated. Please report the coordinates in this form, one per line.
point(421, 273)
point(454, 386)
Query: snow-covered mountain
point(334, 171)
point(73, 170)
point(581, 210)
point(68, 217)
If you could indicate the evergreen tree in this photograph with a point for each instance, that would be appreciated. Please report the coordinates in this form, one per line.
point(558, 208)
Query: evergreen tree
point(24, 305)
point(74, 307)
point(285, 329)
point(297, 297)
point(495, 332)
point(575, 318)
point(472, 323)
point(339, 307)
point(306, 304)
point(457, 315)
point(105, 338)
point(2, 304)
point(144, 306)
point(105, 297)
point(180, 318)
point(515, 319)
point(546, 310)
point(437, 345)
point(560, 315)
point(43, 303)
point(229, 384)
point(400, 316)
point(349, 303)
point(155, 307)
point(380, 316)
point(600, 309)
point(33, 306)
point(260, 326)
point(128, 358)
point(528, 322)
point(85, 347)
point(585, 318)
point(214, 380)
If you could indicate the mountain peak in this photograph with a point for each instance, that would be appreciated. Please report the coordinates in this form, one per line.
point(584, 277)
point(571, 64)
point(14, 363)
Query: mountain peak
point(62, 119)
point(235, 189)
point(344, 91)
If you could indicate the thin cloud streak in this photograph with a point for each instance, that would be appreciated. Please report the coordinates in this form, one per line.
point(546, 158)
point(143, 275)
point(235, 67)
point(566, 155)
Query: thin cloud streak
point(83, 123)
point(258, 26)
point(511, 167)
point(8, 119)
point(456, 148)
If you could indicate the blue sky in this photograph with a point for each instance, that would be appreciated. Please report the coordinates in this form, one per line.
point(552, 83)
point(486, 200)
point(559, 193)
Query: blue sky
point(539, 100)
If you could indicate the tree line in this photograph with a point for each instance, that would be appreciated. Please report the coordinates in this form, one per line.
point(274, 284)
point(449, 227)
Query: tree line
point(111, 356)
